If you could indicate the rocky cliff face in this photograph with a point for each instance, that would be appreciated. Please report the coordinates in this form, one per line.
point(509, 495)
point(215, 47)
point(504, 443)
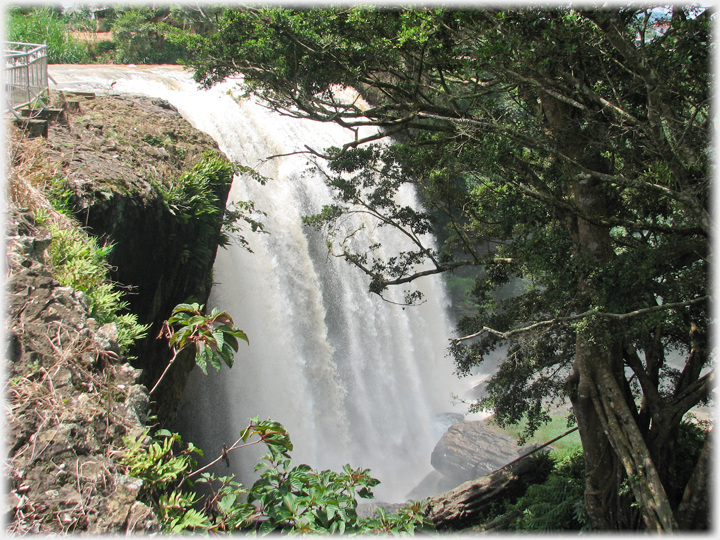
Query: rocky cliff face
point(71, 395)
point(70, 400)
point(116, 155)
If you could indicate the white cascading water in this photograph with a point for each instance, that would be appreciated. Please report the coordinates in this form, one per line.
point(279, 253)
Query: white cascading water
point(353, 378)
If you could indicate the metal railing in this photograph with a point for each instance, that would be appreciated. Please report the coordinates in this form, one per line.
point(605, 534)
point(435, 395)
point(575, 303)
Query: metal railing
point(25, 74)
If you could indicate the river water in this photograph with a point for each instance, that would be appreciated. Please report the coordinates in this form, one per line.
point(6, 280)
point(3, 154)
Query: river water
point(353, 378)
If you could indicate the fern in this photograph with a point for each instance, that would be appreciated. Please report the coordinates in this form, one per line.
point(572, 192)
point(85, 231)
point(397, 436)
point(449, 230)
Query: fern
point(557, 504)
point(76, 260)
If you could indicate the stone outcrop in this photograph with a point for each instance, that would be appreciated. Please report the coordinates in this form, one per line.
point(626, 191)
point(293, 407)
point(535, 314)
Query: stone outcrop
point(71, 398)
point(472, 449)
point(466, 451)
point(116, 155)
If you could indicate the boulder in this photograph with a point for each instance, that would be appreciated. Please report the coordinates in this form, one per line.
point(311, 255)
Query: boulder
point(472, 449)
point(433, 484)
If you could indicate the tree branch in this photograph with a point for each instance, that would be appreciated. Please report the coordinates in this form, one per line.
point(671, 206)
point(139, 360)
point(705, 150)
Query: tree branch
point(595, 312)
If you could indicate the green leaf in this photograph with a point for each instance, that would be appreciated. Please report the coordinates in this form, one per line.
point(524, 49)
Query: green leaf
point(219, 338)
point(231, 341)
point(228, 355)
point(191, 519)
point(267, 527)
point(187, 307)
point(215, 360)
point(232, 331)
point(200, 358)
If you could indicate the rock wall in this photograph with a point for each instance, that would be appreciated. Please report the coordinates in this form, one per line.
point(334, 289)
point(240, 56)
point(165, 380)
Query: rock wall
point(70, 400)
point(116, 153)
point(71, 396)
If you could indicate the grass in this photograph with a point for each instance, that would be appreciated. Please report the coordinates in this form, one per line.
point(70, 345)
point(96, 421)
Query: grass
point(557, 426)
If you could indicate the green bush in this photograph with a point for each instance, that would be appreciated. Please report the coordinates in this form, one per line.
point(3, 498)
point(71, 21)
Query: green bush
point(102, 52)
point(214, 336)
point(43, 25)
point(194, 201)
point(162, 471)
point(558, 503)
point(140, 40)
point(286, 498)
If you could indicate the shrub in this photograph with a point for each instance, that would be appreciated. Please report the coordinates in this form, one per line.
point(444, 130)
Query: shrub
point(194, 201)
point(286, 498)
point(77, 261)
point(43, 25)
point(163, 470)
point(140, 40)
point(200, 222)
point(558, 503)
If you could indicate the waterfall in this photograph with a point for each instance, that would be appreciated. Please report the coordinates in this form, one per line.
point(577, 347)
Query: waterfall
point(354, 379)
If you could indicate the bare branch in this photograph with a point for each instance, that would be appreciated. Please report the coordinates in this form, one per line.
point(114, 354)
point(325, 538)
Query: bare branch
point(597, 313)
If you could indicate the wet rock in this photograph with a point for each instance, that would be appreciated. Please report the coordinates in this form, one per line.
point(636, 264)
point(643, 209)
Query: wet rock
point(71, 397)
point(472, 449)
point(433, 484)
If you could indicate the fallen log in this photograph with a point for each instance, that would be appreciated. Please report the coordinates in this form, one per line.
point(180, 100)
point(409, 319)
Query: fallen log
point(470, 503)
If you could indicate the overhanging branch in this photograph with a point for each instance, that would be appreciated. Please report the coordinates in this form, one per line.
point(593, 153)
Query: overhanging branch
point(595, 312)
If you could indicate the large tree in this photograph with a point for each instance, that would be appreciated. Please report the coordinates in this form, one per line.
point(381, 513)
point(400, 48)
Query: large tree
point(565, 147)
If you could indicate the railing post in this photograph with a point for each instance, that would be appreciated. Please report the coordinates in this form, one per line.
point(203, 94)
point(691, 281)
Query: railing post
point(25, 66)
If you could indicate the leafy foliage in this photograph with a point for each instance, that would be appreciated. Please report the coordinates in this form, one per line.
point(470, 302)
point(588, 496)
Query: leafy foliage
point(78, 262)
point(163, 470)
point(286, 498)
point(139, 38)
point(557, 504)
point(139, 33)
point(194, 201)
point(214, 336)
point(45, 25)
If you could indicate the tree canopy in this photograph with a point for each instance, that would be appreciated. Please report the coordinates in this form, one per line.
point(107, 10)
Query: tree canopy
point(568, 148)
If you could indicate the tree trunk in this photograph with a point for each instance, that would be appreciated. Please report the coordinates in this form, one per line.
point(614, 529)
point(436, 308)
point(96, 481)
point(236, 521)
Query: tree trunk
point(602, 474)
point(693, 510)
point(616, 454)
point(469, 503)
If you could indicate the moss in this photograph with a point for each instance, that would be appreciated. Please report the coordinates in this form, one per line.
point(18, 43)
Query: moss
point(112, 186)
